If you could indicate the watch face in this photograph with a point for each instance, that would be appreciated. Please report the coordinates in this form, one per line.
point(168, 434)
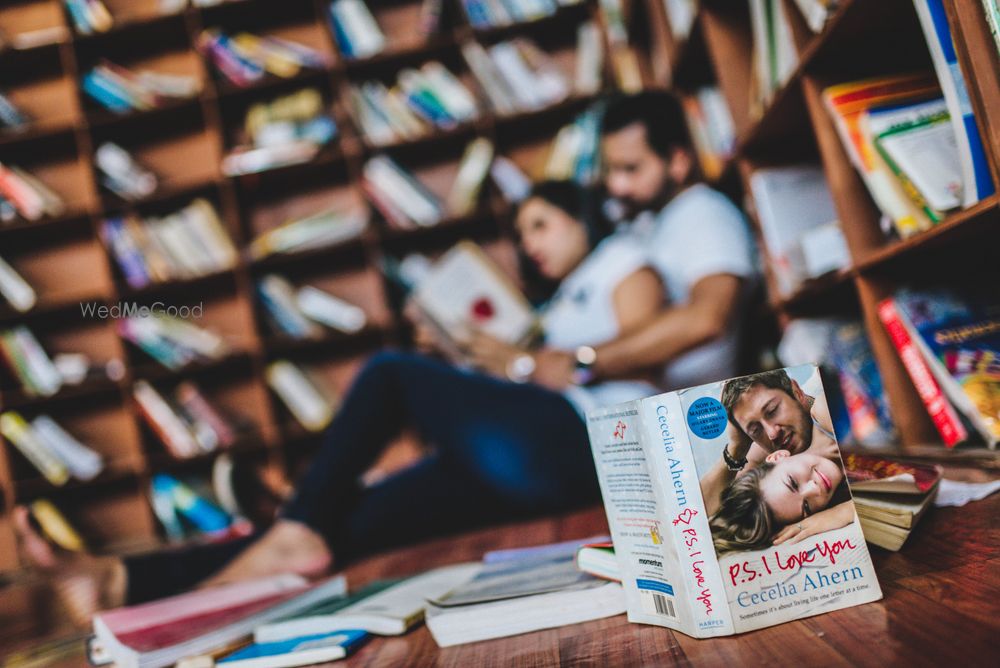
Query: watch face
point(585, 355)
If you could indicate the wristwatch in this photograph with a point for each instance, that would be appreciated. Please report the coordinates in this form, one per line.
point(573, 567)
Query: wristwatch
point(520, 368)
point(734, 465)
point(583, 371)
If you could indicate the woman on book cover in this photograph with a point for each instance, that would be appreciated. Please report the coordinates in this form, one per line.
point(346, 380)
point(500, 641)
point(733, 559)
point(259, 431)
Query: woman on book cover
point(505, 448)
point(799, 488)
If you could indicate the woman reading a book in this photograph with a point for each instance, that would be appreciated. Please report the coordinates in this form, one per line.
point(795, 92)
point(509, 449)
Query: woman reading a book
point(505, 448)
point(769, 504)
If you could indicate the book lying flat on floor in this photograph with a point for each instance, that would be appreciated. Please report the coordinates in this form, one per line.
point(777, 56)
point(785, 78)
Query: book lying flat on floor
point(519, 594)
point(695, 541)
point(304, 651)
point(389, 610)
point(162, 632)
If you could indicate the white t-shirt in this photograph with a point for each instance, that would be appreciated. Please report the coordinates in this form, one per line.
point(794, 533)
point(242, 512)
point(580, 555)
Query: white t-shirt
point(582, 313)
point(697, 234)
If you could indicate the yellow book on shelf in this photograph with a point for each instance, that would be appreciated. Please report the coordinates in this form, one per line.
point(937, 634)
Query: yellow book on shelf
point(55, 526)
point(17, 430)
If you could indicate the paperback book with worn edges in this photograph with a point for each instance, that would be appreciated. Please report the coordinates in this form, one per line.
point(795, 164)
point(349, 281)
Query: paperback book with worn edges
point(651, 455)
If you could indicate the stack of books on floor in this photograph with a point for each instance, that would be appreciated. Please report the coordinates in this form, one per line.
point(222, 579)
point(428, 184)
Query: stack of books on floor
point(56, 453)
point(287, 130)
point(172, 341)
point(121, 90)
point(188, 425)
point(949, 342)
point(188, 243)
point(301, 313)
point(284, 621)
point(890, 497)
point(245, 59)
point(355, 29)
point(319, 230)
point(25, 197)
point(420, 101)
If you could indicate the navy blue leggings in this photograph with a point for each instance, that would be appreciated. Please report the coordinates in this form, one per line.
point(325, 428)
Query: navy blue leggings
point(502, 451)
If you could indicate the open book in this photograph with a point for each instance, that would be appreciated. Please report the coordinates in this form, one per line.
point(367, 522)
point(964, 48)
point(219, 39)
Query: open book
point(713, 575)
point(465, 288)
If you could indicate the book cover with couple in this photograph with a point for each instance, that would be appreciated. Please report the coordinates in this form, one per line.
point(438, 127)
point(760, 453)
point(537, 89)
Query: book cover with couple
point(729, 506)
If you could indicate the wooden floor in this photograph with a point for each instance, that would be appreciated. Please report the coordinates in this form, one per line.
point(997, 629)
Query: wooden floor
point(941, 608)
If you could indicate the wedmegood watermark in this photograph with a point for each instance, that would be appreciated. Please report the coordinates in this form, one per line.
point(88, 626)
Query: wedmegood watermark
point(136, 310)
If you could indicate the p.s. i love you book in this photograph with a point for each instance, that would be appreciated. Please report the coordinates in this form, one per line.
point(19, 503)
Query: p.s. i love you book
point(729, 505)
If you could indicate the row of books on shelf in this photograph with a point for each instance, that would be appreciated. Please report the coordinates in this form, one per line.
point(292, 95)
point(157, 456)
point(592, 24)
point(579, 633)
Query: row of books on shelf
point(713, 133)
point(189, 243)
point(40, 375)
point(50, 448)
point(121, 90)
point(93, 16)
point(25, 197)
point(303, 312)
point(244, 59)
point(484, 14)
point(287, 130)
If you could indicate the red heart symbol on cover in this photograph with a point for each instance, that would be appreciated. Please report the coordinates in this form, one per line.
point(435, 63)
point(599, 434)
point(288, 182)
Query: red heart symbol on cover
point(482, 309)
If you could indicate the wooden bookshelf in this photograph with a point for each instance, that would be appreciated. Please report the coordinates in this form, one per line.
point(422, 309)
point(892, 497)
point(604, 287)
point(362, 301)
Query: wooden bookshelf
point(184, 143)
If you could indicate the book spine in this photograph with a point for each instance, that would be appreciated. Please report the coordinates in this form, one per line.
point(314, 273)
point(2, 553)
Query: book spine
point(82, 462)
point(668, 445)
point(16, 430)
point(15, 289)
point(194, 403)
point(164, 421)
point(44, 374)
point(330, 310)
point(942, 413)
point(300, 396)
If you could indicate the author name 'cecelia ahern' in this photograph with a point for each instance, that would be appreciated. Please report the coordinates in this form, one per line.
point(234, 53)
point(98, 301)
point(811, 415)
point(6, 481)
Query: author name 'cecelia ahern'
point(810, 582)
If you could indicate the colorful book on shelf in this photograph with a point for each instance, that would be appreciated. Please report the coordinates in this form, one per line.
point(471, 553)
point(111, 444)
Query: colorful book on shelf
point(319, 230)
point(712, 129)
point(958, 337)
point(37, 451)
point(791, 201)
point(12, 117)
point(774, 54)
point(162, 632)
point(31, 198)
point(399, 196)
point(976, 178)
point(465, 288)
point(307, 402)
point(472, 172)
point(355, 29)
point(855, 107)
point(861, 385)
point(54, 526)
point(304, 651)
point(89, 16)
point(277, 294)
point(172, 341)
point(198, 511)
point(15, 290)
point(329, 310)
point(29, 363)
point(119, 89)
point(522, 594)
point(245, 58)
point(691, 556)
point(529, 75)
point(122, 174)
point(946, 419)
point(383, 608)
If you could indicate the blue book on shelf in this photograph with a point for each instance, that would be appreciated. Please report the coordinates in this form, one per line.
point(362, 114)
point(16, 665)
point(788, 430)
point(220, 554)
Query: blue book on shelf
point(303, 651)
point(106, 94)
point(340, 34)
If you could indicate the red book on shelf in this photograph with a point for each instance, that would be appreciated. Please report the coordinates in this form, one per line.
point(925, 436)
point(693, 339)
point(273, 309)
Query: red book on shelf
point(943, 414)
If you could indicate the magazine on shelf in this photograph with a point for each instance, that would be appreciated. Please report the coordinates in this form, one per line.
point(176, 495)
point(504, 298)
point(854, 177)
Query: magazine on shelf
point(686, 564)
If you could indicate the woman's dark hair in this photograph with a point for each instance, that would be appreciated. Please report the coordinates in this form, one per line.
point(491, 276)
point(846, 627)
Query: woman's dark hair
point(580, 203)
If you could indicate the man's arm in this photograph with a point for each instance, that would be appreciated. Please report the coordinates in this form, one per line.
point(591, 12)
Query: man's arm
point(675, 331)
point(717, 478)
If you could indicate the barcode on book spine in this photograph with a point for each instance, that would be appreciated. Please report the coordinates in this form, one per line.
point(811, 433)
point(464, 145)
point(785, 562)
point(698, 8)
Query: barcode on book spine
point(663, 605)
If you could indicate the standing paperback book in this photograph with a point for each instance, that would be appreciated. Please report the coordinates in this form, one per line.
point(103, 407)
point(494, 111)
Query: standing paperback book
point(711, 543)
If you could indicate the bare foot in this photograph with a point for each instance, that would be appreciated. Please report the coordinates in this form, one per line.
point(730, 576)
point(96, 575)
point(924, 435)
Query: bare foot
point(287, 547)
point(83, 583)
